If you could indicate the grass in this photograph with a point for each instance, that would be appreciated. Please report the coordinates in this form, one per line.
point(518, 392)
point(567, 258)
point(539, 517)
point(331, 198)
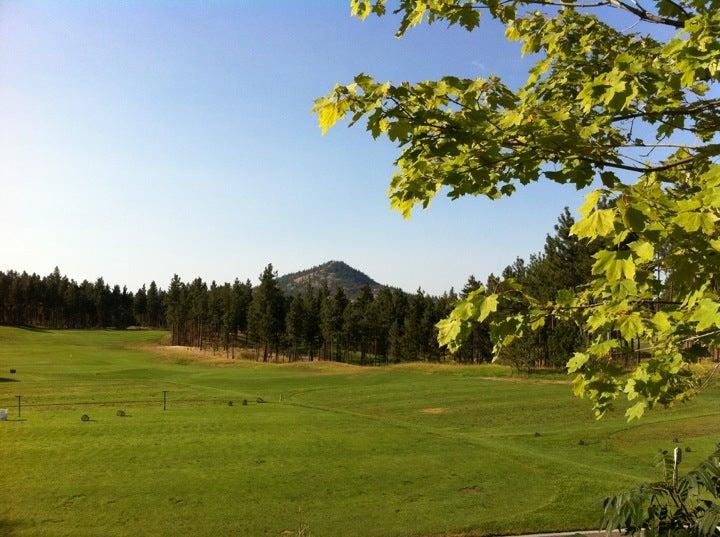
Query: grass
point(336, 450)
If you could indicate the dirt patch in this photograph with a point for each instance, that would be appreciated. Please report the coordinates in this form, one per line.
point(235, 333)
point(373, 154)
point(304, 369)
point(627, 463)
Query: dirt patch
point(185, 355)
point(471, 490)
point(433, 410)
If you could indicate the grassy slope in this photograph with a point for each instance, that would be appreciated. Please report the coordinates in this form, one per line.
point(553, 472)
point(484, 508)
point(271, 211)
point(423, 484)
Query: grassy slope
point(348, 451)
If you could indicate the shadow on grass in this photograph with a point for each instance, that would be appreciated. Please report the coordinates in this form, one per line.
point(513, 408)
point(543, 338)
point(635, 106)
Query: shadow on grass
point(8, 528)
point(33, 329)
point(5, 379)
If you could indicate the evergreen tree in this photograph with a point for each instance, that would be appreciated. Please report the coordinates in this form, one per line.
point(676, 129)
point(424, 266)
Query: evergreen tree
point(295, 326)
point(339, 305)
point(363, 306)
point(175, 308)
point(311, 306)
point(242, 296)
point(140, 306)
point(265, 321)
point(198, 312)
point(154, 306)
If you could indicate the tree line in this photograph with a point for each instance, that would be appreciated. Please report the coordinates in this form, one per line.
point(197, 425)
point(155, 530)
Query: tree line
point(381, 326)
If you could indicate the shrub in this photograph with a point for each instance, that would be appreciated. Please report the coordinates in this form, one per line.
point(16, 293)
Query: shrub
point(675, 506)
point(84, 417)
point(244, 402)
point(12, 371)
point(581, 442)
point(230, 403)
point(120, 413)
point(260, 400)
point(537, 434)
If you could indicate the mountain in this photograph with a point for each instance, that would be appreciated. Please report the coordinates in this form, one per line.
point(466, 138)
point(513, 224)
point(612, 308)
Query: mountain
point(334, 273)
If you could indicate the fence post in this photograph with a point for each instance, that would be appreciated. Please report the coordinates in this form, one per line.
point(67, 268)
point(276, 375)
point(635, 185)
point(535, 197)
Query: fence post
point(164, 399)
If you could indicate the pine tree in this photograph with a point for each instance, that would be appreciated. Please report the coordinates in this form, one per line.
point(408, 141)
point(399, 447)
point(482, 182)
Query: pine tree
point(339, 305)
point(264, 322)
point(198, 312)
point(175, 309)
point(311, 305)
point(140, 306)
point(363, 306)
point(154, 306)
point(295, 326)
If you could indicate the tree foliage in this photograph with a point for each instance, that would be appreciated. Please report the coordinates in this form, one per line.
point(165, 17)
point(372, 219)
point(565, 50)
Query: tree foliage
point(623, 109)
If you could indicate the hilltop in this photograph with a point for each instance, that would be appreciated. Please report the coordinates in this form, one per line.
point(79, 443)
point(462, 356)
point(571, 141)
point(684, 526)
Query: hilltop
point(335, 273)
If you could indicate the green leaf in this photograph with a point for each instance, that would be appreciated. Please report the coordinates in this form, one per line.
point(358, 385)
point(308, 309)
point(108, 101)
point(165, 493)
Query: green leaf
point(661, 321)
point(643, 250)
point(692, 221)
point(630, 326)
point(578, 360)
point(603, 348)
point(488, 306)
point(636, 411)
point(591, 201)
point(327, 116)
point(614, 265)
point(598, 224)
point(706, 314)
point(634, 219)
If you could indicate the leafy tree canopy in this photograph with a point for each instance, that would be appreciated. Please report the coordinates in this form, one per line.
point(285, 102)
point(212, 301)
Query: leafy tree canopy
point(617, 108)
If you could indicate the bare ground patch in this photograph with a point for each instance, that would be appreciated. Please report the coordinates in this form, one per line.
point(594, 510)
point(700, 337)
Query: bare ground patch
point(183, 355)
point(433, 410)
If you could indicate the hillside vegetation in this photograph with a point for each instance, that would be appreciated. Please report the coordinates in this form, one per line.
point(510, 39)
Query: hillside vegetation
point(333, 450)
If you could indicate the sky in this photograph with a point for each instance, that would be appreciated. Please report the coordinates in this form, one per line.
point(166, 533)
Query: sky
point(143, 139)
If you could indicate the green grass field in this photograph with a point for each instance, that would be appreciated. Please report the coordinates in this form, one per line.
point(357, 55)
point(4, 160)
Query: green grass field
point(334, 451)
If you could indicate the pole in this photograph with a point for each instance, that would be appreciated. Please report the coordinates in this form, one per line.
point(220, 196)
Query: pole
point(18, 398)
point(164, 399)
point(677, 459)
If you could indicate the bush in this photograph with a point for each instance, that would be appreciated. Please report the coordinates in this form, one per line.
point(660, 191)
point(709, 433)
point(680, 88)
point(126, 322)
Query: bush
point(537, 434)
point(260, 400)
point(120, 413)
point(12, 371)
point(675, 506)
point(230, 403)
point(84, 417)
point(244, 402)
point(581, 443)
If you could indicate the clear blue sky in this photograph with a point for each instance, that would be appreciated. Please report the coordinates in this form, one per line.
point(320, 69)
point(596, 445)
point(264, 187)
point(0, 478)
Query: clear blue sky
point(140, 139)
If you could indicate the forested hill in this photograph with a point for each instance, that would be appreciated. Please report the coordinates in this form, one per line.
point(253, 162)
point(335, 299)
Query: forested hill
point(354, 318)
point(337, 274)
